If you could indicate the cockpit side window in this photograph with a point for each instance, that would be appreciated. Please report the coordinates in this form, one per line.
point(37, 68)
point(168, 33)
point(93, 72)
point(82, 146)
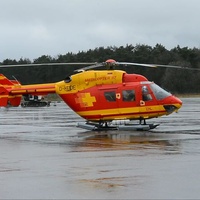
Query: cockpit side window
point(128, 95)
point(159, 92)
point(110, 96)
point(146, 96)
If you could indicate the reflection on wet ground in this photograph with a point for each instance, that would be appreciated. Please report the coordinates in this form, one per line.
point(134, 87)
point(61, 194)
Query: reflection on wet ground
point(44, 155)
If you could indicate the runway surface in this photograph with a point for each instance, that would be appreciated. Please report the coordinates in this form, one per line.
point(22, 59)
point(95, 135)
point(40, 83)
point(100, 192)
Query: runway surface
point(45, 156)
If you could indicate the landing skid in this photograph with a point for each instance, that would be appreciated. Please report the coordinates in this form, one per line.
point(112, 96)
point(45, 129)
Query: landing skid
point(122, 127)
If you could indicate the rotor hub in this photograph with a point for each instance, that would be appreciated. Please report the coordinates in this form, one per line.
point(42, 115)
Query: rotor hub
point(110, 64)
point(110, 61)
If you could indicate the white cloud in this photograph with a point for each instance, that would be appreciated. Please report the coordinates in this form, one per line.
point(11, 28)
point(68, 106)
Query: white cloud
point(31, 28)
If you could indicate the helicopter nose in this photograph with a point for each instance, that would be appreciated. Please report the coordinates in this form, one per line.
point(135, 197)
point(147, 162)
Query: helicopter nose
point(179, 103)
point(172, 104)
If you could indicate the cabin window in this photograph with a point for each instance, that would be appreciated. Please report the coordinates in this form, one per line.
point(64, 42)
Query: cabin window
point(128, 95)
point(146, 96)
point(110, 96)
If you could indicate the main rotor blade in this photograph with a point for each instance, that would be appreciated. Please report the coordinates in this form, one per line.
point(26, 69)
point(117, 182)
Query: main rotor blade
point(90, 67)
point(44, 64)
point(157, 65)
point(93, 65)
point(136, 64)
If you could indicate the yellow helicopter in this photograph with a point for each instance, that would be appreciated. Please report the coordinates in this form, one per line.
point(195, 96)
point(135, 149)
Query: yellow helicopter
point(102, 96)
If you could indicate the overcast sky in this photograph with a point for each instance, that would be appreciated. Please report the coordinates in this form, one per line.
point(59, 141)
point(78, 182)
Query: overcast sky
point(32, 28)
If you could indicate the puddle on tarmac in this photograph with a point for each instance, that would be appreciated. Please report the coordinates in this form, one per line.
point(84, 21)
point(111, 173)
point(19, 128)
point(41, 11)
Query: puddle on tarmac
point(44, 155)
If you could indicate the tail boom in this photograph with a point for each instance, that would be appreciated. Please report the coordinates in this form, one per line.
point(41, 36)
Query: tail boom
point(37, 89)
point(11, 91)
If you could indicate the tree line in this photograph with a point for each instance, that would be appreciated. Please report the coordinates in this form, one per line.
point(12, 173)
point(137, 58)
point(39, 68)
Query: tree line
point(178, 81)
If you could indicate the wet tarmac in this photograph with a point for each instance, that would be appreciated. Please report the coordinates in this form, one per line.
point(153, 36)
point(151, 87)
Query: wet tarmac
point(45, 156)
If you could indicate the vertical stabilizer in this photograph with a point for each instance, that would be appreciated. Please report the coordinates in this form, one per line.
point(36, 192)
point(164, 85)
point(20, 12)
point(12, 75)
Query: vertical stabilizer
point(5, 98)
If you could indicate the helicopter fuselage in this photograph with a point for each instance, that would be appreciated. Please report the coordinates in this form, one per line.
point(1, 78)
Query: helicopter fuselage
point(107, 95)
point(100, 95)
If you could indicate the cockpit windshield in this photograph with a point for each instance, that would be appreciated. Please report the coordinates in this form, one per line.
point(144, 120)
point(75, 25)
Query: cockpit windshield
point(159, 92)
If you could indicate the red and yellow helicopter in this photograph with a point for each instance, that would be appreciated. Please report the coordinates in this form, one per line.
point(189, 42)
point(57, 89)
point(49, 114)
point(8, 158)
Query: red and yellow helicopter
point(102, 96)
